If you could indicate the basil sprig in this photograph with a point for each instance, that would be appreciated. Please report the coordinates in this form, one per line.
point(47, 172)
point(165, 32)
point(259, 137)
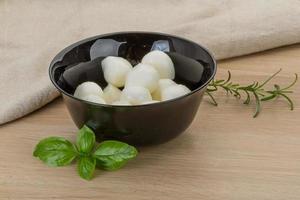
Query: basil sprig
point(108, 155)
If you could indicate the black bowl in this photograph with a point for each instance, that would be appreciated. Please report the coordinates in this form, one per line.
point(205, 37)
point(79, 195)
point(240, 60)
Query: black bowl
point(140, 124)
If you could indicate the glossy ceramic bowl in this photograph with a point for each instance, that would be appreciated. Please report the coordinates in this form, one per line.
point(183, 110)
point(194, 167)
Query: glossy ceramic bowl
point(140, 124)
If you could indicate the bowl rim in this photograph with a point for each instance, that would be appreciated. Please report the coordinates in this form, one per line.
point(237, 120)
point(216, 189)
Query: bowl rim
point(68, 48)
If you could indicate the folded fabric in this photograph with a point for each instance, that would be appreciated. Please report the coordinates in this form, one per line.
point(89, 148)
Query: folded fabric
point(33, 31)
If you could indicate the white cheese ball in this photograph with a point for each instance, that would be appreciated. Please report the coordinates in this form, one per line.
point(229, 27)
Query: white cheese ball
point(88, 88)
point(150, 102)
point(121, 103)
point(115, 70)
point(174, 91)
point(161, 62)
point(162, 84)
point(143, 75)
point(111, 93)
point(94, 98)
point(135, 95)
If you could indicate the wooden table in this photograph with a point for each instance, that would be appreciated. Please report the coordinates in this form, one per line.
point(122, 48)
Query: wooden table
point(225, 154)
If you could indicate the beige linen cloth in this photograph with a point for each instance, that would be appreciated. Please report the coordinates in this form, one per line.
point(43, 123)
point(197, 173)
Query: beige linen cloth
point(33, 31)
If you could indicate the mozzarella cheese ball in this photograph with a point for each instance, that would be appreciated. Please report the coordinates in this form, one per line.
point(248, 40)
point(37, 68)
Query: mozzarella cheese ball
point(161, 62)
point(135, 95)
point(174, 91)
point(143, 75)
point(121, 103)
point(88, 88)
point(162, 84)
point(94, 98)
point(150, 102)
point(111, 93)
point(115, 70)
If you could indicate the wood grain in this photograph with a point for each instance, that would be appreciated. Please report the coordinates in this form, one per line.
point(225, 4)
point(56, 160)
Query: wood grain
point(225, 154)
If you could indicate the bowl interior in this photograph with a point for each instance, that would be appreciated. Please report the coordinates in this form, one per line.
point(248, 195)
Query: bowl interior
point(80, 62)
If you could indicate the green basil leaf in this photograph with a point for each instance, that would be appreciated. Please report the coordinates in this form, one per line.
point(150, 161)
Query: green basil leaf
point(55, 151)
point(86, 167)
point(112, 155)
point(85, 140)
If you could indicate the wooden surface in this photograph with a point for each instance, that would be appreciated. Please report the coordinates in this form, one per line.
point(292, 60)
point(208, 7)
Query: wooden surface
point(225, 154)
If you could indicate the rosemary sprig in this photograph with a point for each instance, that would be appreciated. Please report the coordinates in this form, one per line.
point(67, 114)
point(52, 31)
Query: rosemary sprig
point(256, 89)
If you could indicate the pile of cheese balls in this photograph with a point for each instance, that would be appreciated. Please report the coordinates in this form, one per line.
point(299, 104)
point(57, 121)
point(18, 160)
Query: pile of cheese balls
point(148, 82)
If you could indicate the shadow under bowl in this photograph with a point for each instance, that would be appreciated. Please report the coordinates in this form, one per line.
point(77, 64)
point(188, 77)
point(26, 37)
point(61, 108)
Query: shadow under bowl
point(154, 123)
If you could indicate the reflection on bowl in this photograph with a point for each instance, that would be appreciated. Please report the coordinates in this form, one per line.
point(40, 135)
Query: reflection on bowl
point(140, 124)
